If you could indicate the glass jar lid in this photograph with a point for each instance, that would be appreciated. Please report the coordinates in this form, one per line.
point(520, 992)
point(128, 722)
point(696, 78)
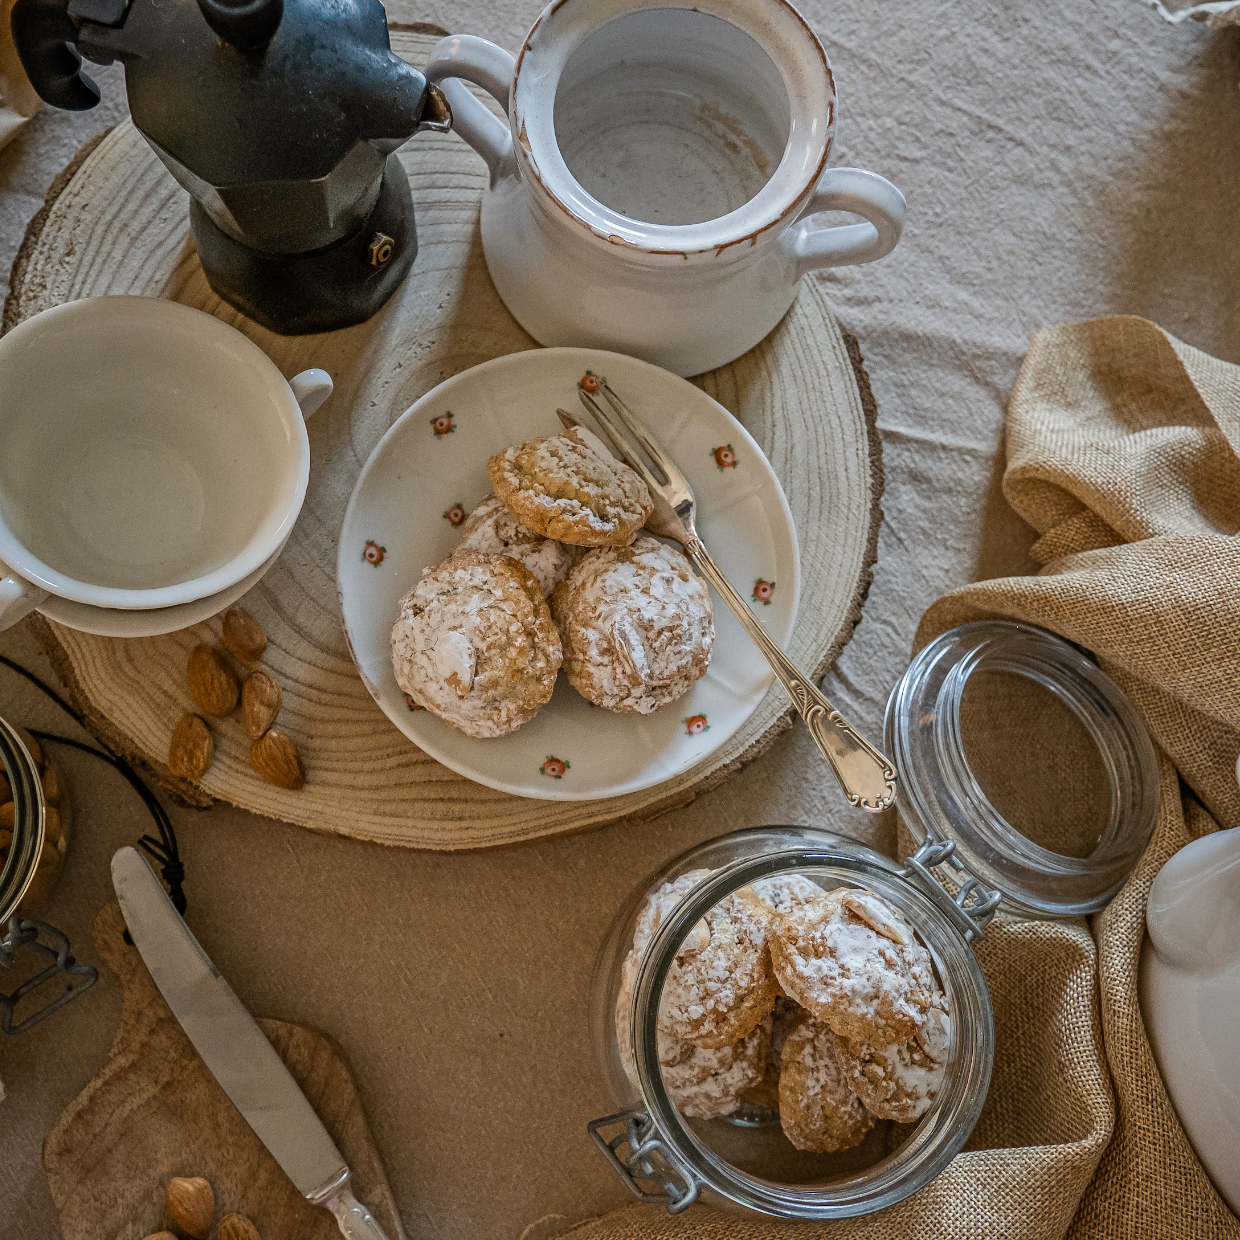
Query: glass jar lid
point(941, 796)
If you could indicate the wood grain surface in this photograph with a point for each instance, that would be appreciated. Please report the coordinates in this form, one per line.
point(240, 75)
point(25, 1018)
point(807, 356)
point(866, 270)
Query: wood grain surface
point(119, 224)
point(155, 1111)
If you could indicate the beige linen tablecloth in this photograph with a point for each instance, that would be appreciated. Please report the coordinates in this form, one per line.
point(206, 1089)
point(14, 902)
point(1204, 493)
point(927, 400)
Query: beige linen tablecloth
point(1060, 162)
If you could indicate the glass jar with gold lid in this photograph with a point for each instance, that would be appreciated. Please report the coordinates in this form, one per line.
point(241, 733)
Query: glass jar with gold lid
point(34, 838)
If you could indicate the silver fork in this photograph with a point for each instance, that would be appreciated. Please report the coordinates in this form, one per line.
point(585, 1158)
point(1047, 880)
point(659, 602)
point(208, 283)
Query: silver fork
point(866, 776)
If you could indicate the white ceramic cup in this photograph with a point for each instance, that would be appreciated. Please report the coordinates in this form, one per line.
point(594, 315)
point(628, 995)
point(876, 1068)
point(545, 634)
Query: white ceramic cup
point(153, 455)
point(652, 189)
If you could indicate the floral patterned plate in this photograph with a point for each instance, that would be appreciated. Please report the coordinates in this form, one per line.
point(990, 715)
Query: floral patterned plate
point(429, 470)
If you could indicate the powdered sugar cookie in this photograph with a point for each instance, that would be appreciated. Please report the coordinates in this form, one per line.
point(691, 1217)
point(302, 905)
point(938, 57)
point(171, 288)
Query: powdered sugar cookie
point(872, 984)
point(569, 487)
point(817, 1109)
point(475, 643)
point(655, 910)
point(720, 985)
point(900, 1081)
point(492, 528)
point(782, 892)
point(783, 1018)
point(636, 625)
point(706, 1083)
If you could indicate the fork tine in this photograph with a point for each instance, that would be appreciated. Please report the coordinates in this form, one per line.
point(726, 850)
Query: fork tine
point(618, 440)
point(647, 441)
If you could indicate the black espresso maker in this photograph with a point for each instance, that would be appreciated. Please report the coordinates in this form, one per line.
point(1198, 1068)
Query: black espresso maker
point(280, 118)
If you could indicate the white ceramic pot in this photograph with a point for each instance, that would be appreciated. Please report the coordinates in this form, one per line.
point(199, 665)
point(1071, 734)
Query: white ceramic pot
point(153, 457)
point(1190, 997)
point(652, 189)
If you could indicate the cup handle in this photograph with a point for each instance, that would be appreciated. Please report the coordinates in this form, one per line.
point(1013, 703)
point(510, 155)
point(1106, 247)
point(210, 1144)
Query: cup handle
point(844, 245)
point(310, 389)
point(18, 598)
point(487, 65)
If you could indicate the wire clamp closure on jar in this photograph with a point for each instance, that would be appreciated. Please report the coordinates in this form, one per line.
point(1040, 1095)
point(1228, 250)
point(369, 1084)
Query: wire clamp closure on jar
point(637, 1154)
point(970, 912)
point(24, 933)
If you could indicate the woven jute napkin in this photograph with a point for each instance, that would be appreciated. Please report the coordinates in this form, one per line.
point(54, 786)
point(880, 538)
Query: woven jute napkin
point(1123, 450)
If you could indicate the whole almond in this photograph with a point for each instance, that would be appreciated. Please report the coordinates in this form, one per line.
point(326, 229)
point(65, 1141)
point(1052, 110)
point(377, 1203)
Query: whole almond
point(191, 750)
point(211, 683)
point(276, 758)
point(55, 829)
point(51, 786)
point(261, 700)
point(161, 1235)
point(6, 789)
point(191, 1205)
point(237, 1227)
point(243, 635)
point(31, 743)
point(7, 815)
point(6, 838)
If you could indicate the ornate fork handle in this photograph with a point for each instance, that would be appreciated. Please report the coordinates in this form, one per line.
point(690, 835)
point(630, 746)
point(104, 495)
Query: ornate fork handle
point(867, 778)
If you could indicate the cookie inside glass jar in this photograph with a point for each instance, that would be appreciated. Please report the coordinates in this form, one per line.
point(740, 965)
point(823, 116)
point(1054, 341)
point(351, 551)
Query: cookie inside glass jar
point(803, 1027)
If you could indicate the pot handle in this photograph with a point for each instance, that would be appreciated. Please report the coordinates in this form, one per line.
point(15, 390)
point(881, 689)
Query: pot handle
point(487, 65)
point(18, 598)
point(310, 389)
point(847, 189)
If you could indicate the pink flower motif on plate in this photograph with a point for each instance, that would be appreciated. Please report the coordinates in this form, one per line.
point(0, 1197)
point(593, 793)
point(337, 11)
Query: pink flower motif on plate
point(763, 591)
point(373, 553)
point(554, 768)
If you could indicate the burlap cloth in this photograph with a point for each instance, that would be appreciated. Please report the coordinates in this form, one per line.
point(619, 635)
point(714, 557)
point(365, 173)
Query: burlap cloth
point(1122, 452)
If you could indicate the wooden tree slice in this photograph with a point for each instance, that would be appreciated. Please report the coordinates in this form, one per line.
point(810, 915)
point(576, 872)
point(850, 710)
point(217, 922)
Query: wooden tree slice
point(155, 1111)
point(119, 224)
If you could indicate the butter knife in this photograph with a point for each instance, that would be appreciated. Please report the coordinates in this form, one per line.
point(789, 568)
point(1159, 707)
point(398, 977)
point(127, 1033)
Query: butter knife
point(234, 1048)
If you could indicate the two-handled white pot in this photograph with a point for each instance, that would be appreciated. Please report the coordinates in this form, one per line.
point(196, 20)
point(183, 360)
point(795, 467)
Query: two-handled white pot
point(653, 188)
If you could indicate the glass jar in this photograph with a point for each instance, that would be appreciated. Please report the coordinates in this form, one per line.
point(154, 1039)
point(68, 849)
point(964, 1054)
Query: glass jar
point(741, 1160)
point(33, 847)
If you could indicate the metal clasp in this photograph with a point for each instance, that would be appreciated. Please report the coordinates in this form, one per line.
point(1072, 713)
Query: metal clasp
point(974, 904)
point(25, 933)
point(637, 1154)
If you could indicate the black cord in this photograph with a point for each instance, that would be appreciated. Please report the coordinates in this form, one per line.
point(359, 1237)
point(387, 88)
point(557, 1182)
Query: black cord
point(164, 849)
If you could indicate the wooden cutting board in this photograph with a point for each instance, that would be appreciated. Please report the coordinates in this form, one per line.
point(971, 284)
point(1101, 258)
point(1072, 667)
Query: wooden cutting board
point(155, 1111)
point(117, 223)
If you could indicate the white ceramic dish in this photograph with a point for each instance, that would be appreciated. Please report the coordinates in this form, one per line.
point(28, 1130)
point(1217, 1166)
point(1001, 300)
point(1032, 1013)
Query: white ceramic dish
point(154, 456)
point(434, 458)
point(1190, 997)
point(151, 621)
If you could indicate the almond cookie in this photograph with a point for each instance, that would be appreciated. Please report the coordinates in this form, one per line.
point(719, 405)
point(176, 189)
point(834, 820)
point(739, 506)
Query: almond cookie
point(636, 625)
point(817, 1109)
point(475, 644)
point(854, 962)
point(720, 985)
point(900, 1081)
point(492, 528)
point(783, 892)
point(784, 1017)
point(569, 487)
point(705, 1084)
point(655, 910)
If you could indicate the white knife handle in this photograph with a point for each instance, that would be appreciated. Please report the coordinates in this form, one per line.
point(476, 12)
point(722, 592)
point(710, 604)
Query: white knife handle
point(355, 1221)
